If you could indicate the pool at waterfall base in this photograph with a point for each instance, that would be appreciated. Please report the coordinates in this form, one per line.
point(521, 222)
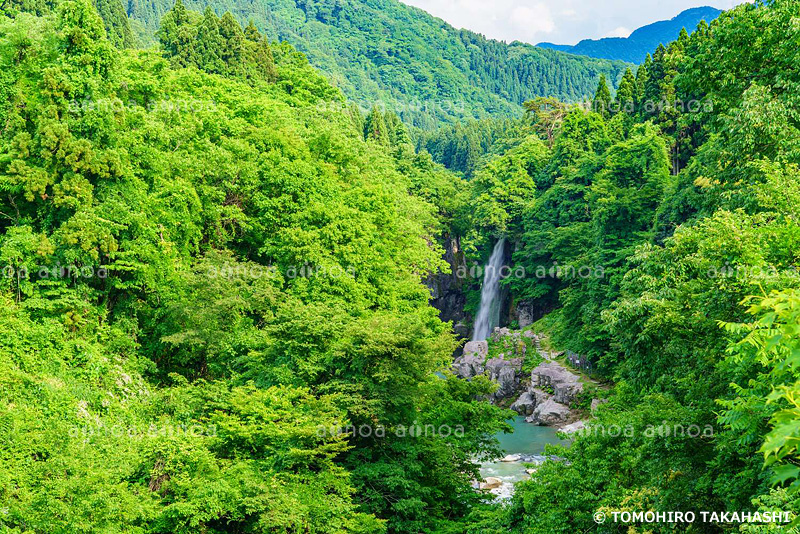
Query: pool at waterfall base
point(527, 440)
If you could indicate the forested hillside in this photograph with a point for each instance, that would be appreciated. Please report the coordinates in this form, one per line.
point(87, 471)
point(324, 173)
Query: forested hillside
point(115, 19)
point(214, 314)
point(641, 41)
point(685, 216)
point(204, 278)
point(385, 53)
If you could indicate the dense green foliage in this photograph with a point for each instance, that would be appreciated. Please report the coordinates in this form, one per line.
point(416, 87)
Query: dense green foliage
point(205, 277)
point(385, 53)
point(115, 19)
point(680, 196)
point(212, 309)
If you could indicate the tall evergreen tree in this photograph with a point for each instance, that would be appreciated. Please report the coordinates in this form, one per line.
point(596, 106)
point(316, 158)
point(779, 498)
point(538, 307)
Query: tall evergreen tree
point(178, 35)
point(602, 97)
point(625, 100)
point(210, 44)
point(232, 43)
point(642, 76)
point(375, 127)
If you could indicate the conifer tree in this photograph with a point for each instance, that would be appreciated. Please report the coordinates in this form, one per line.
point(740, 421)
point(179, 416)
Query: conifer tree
point(177, 35)
point(210, 44)
point(602, 97)
point(375, 127)
point(642, 76)
point(232, 43)
point(626, 93)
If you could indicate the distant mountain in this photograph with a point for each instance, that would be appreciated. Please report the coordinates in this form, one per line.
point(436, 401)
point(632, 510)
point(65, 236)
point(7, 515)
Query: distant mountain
point(642, 41)
point(386, 53)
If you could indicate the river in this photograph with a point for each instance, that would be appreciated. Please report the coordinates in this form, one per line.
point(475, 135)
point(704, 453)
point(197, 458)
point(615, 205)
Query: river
point(528, 439)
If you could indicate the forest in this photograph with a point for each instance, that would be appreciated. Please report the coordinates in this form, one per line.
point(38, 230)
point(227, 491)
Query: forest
point(389, 54)
point(215, 274)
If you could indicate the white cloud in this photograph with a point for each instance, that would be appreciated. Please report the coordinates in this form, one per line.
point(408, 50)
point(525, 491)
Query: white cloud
point(621, 31)
point(533, 22)
point(558, 21)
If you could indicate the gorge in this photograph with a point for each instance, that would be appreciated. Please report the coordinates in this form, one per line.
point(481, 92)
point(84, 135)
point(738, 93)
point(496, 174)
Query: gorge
point(282, 297)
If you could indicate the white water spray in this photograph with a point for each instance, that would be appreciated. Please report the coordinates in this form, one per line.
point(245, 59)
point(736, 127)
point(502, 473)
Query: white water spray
point(489, 312)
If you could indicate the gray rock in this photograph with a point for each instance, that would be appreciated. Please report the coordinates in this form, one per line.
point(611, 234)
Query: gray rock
point(539, 395)
point(549, 413)
point(506, 373)
point(525, 404)
point(566, 393)
point(550, 374)
point(468, 366)
point(470, 363)
point(577, 426)
point(524, 313)
point(565, 385)
point(481, 348)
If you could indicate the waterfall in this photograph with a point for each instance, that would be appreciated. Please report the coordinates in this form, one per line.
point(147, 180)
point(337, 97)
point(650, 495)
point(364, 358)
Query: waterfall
point(489, 312)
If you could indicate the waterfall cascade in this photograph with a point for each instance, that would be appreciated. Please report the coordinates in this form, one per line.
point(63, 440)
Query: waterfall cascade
point(489, 313)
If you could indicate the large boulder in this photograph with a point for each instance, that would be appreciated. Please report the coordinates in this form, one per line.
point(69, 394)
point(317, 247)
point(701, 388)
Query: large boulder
point(471, 362)
point(565, 385)
point(491, 483)
point(566, 393)
point(549, 413)
point(550, 374)
point(506, 374)
point(577, 426)
point(468, 366)
point(480, 348)
point(525, 404)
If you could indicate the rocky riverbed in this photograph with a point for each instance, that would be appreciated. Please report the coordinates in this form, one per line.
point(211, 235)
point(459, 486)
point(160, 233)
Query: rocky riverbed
point(532, 383)
point(544, 394)
point(525, 448)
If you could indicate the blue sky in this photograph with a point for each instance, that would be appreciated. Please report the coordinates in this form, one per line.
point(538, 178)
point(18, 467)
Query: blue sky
point(557, 21)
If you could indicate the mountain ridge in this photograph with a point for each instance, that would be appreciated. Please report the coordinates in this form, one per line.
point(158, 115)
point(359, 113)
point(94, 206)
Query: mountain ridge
point(385, 53)
point(641, 41)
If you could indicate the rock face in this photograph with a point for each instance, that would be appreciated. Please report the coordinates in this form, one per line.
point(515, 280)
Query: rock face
point(549, 413)
point(505, 368)
point(447, 291)
point(480, 348)
point(471, 362)
point(525, 404)
point(545, 399)
point(524, 314)
point(565, 385)
point(506, 373)
point(553, 388)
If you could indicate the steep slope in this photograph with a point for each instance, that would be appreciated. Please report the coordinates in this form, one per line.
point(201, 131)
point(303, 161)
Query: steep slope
point(211, 278)
point(385, 53)
point(112, 13)
point(641, 42)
